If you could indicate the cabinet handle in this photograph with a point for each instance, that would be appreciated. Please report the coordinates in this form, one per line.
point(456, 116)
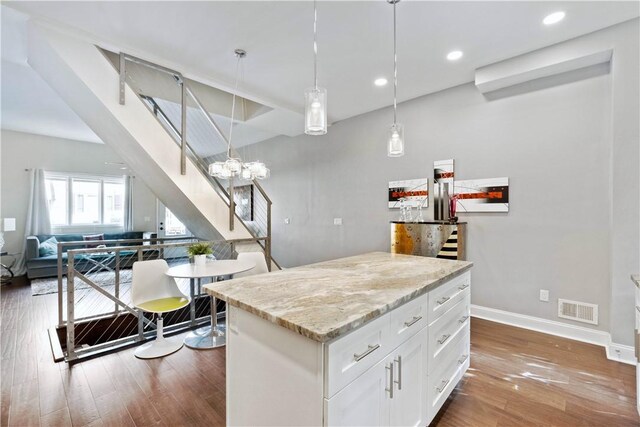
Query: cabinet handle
point(443, 300)
point(443, 385)
point(390, 389)
point(444, 338)
point(463, 287)
point(399, 381)
point(463, 319)
point(412, 321)
point(370, 349)
point(462, 359)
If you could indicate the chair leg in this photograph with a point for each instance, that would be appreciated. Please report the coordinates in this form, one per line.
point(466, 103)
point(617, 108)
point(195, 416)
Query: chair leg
point(159, 347)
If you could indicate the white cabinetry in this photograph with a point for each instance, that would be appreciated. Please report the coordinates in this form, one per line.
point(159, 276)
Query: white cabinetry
point(409, 402)
point(399, 369)
point(363, 402)
point(396, 370)
point(392, 392)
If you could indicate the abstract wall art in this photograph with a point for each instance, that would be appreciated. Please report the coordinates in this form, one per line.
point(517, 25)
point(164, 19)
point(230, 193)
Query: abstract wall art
point(443, 171)
point(414, 191)
point(482, 195)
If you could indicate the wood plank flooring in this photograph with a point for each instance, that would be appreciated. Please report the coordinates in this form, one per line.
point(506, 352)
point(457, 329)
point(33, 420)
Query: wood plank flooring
point(517, 378)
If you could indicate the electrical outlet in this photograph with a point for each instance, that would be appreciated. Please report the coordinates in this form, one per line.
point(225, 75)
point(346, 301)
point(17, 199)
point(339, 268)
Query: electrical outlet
point(544, 295)
point(337, 221)
point(287, 220)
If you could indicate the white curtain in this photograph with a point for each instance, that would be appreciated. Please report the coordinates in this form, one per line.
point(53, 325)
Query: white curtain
point(128, 203)
point(37, 220)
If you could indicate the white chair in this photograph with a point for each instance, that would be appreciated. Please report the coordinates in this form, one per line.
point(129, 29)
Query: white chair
point(155, 292)
point(258, 258)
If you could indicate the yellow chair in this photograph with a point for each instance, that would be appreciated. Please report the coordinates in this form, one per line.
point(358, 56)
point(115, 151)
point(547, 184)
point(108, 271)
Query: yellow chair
point(155, 292)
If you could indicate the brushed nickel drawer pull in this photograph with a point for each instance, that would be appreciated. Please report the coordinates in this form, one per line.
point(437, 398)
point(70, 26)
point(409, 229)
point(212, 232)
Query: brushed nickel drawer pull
point(443, 300)
point(463, 287)
point(463, 319)
point(444, 338)
point(390, 389)
point(370, 349)
point(412, 321)
point(399, 381)
point(462, 359)
point(443, 385)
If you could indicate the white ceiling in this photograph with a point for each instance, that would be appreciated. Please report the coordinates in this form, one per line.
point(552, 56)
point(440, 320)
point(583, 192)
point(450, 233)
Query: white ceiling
point(28, 102)
point(355, 41)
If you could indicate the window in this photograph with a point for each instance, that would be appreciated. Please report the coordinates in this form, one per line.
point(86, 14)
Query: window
point(57, 196)
point(83, 199)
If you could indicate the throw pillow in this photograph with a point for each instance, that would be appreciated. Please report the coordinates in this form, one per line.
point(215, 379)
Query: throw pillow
point(48, 247)
point(91, 237)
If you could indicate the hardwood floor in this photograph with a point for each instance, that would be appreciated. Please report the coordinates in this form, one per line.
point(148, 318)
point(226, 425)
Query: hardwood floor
point(517, 378)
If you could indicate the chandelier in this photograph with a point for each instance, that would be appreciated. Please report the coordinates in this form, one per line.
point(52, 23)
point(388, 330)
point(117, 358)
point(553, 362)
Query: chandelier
point(234, 167)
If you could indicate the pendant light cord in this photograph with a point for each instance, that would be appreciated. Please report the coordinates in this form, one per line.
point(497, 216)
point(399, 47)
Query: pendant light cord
point(233, 105)
point(395, 67)
point(315, 45)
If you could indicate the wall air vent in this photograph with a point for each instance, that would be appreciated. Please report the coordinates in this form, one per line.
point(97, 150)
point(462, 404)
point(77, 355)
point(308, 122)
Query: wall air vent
point(578, 311)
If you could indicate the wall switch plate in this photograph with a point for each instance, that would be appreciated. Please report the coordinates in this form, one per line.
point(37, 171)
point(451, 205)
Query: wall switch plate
point(147, 219)
point(287, 220)
point(337, 221)
point(544, 295)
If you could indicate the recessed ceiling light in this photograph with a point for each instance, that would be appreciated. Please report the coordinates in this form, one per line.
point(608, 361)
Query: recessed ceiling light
point(380, 82)
point(554, 18)
point(455, 55)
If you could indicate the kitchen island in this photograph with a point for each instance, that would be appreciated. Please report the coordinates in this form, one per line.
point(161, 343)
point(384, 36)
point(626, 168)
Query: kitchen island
point(374, 339)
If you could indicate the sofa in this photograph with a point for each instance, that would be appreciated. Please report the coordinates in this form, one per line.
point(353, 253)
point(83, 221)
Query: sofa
point(47, 266)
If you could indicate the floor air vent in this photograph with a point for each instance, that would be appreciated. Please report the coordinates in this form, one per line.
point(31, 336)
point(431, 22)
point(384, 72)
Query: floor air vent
point(579, 311)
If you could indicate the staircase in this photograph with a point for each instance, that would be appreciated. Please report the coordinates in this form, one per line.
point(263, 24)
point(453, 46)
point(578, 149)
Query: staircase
point(158, 123)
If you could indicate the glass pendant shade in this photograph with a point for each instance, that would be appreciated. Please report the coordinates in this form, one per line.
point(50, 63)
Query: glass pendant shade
point(395, 145)
point(227, 169)
point(233, 165)
point(216, 169)
point(255, 170)
point(315, 112)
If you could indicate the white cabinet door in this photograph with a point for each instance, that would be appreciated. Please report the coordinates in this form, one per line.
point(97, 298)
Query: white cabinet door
point(409, 403)
point(364, 402)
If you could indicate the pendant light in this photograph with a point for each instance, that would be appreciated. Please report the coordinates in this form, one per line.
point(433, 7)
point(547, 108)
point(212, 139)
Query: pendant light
point(233, 167)
point(315, 98)
point(395, 144)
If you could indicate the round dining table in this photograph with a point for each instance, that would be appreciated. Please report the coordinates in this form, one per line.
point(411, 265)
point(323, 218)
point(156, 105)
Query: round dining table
point(215, 335)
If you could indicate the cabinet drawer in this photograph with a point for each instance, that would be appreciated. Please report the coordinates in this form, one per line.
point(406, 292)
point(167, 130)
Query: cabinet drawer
point(407, 320)
point(442, 381)
point(459, 349)
point(447, 329)
point(446, 296)
point(350, 356)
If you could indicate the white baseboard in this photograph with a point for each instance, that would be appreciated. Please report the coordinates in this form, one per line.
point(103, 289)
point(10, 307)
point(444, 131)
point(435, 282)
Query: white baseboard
point(616, 352)
point(621, 353)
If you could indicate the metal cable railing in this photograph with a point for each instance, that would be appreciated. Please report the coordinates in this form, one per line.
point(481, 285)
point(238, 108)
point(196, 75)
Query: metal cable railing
point(99, 315)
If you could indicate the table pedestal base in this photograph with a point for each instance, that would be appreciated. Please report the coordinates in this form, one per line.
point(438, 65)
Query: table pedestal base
point(206, 338)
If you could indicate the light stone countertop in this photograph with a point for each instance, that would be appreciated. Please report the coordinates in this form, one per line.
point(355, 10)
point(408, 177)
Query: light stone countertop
point(326, 300)
point(636, 279)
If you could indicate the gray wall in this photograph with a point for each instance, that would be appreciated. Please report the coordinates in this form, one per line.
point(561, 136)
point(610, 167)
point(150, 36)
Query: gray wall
point(20, 151)
point(555, 144)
